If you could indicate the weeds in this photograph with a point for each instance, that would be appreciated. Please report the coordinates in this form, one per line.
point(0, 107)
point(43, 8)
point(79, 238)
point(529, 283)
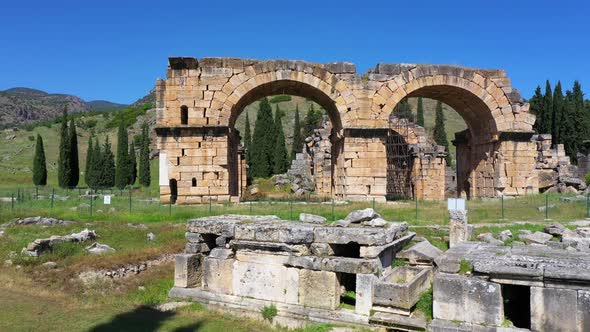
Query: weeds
point(269, 312)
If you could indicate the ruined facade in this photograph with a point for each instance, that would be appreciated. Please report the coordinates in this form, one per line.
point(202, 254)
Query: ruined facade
point(200, 100)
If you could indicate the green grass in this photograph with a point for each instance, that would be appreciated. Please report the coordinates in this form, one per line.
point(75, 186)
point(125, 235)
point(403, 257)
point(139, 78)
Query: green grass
point(348, 300)
point(465, 266)
point(424, 304)
point(269, 312)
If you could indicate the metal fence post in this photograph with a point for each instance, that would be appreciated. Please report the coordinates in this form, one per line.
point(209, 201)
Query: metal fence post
point(546, 206)
point(12, 201)
point(333, 216)
point(36, 192)
point(52, 196)
point(129, 200)
point(91, 198)
point(290, 209)
point(502, 199)
point(373, 203)
point(170, 207)
point(416, 209)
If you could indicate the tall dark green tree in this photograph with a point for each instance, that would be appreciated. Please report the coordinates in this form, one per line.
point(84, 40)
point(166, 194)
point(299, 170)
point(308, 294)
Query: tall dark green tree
point(133, 164)
point(39, 164)
point(247, 139)
point(557, 115)
point(144, 157)
point(420, 113)
point(96, 166)
point(547, 113)
point(297, 138)
point(64, 172)
point(107, 171)
point(403, 110)
point(74, 156)
point(281, 156)
point(582, 123)
point(262, 142)
point(536, 108)
point(123, 165)
point(567, 125)
point(89, 164)
point(440, 133)
point(313, 119)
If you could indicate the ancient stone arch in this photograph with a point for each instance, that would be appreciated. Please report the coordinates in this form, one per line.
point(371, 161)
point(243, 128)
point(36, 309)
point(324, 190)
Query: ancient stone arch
point(495, 154)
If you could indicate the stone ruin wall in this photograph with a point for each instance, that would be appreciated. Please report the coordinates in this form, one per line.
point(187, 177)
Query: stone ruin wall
point(213, 92)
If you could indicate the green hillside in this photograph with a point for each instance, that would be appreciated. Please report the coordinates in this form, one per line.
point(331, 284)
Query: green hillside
point(18, 147)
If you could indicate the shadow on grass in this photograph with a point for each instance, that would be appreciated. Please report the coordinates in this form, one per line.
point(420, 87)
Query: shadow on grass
point(143, 319)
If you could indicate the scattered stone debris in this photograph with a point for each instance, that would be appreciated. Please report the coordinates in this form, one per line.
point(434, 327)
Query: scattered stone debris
point(505, 235)
point(422, 253)
point(38, 246)
point(151, 236)
point(543, 208)
point(124, 271)
point(172, 306)
point(489, 238)
point(1, 233)
point(49, 265)
point(576, 198)
point(43, 221)
point(312, 218)
point(358, 216)
point(555, 229)
point(138, 226)
point(99, 249)
point(536, 238)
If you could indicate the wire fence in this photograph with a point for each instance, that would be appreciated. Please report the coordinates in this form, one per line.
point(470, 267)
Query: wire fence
point(134, 205)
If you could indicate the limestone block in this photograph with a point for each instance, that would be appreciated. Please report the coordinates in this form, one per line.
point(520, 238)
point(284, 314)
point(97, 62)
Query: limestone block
point(319, 289)
point(465, 299)
point(218, 275)
point(583, 310)
point(266, 282)
point(554, 309)
point(188, 270)
point(364, 293)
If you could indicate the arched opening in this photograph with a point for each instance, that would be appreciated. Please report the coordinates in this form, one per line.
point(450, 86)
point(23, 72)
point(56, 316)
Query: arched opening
point(183, 114)
point(399, 163)
point(301, 96)
point(194, 182)
point(173, 191)
point(471, 134)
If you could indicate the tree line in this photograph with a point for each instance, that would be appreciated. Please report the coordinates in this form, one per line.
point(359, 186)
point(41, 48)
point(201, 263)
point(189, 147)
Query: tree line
point(266, 149)
point(565, 116)
point(101, 170)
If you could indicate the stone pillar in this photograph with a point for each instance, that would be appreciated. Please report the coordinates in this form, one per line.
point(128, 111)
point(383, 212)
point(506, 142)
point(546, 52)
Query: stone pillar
point(459, 229)
point(187, 271)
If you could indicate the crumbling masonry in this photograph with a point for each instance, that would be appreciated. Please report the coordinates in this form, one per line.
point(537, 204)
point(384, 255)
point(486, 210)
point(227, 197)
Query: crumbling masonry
point(200, 100)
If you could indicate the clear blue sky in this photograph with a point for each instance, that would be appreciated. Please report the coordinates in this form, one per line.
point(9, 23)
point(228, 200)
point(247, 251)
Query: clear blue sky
point(115, 50)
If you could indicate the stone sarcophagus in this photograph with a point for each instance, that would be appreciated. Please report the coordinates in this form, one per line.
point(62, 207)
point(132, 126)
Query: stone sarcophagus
point(309, 271)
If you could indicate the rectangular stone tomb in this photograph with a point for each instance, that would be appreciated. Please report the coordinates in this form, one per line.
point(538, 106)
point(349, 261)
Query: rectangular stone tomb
point(402, 287)
point(306, 270)
point(501, 288)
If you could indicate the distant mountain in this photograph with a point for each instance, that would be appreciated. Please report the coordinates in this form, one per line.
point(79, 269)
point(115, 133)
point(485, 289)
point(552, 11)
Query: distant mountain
point(150, 98)
point(23, 105)
point(104, 105)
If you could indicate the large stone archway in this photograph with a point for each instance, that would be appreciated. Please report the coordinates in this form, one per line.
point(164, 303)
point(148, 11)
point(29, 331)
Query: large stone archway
point(497, 155)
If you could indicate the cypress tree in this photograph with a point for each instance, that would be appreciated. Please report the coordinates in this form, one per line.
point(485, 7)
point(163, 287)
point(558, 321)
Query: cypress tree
point(536, 108)
point(108, 165)
point(420, 113)
point(89, 164)
point(39, 165)
point(582, 123)
point(64, 173)
point(313, 119)
point(122, 169)
point(95, 170)
point(440, 134)
point(567, 127)
point(74, 161)
point(547, 113)
point(403, 110)
point(133, 165)
point(144, 157)
point(557, 116)
point(297, 138)
point(247, 139)
point(262, 141)
point(281, 156)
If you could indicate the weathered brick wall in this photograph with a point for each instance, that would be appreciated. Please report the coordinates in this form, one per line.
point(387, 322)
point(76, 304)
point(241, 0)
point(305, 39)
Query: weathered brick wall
point(365, 168)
